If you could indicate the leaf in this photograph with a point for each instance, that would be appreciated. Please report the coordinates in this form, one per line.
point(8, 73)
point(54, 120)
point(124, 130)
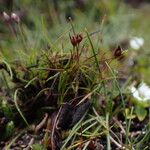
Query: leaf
point(65, 117)
point(38, 147)
point(9, 129)
point(140, 112)
point(79, 112)
point(128, 114)
point(7, 110)
point(69, 115)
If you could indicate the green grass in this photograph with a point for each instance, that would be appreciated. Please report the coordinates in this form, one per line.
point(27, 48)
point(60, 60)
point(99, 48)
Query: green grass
point(78, 80)
point(42, 71)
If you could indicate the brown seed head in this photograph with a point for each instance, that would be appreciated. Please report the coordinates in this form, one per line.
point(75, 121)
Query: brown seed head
point(118, 52)
point(76, 39)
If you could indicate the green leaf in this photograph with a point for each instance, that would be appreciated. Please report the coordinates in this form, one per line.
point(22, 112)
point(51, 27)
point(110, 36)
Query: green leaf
point(128, 114)
point(37, 147)
point(9, 129)
point(7, 110)
point(140, 112)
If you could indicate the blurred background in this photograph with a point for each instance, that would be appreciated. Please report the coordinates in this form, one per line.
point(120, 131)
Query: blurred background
point(33, 25)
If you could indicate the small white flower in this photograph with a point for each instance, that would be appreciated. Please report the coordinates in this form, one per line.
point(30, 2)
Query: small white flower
point(144, 90)
point(15, 17)
point(136, 43)
point(6, 16)
point(12, 18)
point(142, 93)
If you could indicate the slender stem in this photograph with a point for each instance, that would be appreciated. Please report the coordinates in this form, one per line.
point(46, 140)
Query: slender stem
point(129, 123)
point(97, 63)
point(72, 26)
point(94, 53)
point(22, 37)
point(121, 95)
point(6, 82)
point(108, 136)
point(18, 109)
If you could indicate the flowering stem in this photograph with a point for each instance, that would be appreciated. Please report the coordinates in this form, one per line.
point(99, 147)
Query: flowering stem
point(72, 26)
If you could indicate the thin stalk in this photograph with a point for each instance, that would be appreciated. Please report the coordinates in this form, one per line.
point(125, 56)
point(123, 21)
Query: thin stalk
point(97, 64)
point(108, 135)
point(18, 109)
point(35, 78)
point(129, 123)
point(6, 82)
point(22, 37)
point(72, 26)
point(8, 69)
point(122, 99)
point(94, 53)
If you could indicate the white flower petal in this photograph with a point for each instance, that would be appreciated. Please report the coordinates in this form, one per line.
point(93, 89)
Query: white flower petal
point(6, 16)
point(136, 43)
point(142, 93)
point(144, 90)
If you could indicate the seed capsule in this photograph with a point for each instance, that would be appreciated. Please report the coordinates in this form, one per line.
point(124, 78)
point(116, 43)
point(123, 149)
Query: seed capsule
point(118, 52)
point(76, 39)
